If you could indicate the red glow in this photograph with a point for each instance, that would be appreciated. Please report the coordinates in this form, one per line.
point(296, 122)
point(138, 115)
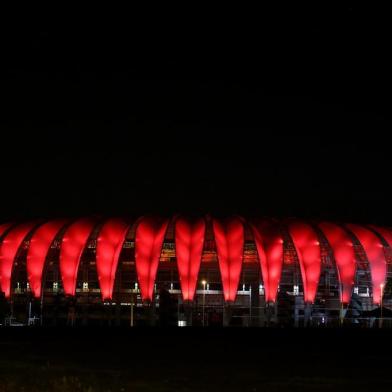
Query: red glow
point(150, 234)
point(229, 238)
point(39, 247)
point(72, 245)
point(109, 245)
point(308, 250)
point(344, 255)
point(384, 233)
point(189, 238)
point(9, 248)
point(269, 243)
point(375, 254)
point(4, 227)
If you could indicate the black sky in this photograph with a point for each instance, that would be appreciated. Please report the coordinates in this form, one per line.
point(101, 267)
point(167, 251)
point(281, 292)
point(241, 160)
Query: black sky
point(288, 120)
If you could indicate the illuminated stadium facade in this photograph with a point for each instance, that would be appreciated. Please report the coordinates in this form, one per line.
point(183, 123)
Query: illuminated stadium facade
point(195, 271)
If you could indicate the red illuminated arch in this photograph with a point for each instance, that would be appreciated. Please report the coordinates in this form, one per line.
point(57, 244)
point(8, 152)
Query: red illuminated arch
point(229, 238)
point(269, 244)
point(39, 247)
point(150, 233)
point(375, 254)
point(109, 245)
point(9, 248)
point(384, 233)
point(344, 255)
point(189, 239)
point(72, 245)
point(308, 250)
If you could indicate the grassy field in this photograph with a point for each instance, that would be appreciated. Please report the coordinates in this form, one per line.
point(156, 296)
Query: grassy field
point(154, 359)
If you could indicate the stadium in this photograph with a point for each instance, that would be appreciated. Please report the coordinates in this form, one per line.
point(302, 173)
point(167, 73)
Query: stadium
point(194, 271)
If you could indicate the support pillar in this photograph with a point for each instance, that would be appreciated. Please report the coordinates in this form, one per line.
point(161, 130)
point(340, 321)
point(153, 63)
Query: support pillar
point(307, 314)
point(227, 312)
point(342, 314)
point(188, 310)
point(151, 313)
point(270, 313)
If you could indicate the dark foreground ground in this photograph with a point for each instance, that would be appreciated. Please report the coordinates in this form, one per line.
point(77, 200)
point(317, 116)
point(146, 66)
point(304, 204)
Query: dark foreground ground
point(195, 359)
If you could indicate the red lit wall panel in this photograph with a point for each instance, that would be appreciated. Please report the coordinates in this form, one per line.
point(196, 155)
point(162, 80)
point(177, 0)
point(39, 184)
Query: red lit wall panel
point(189, 239)
point(308, 250)
point(150, 234)
point(39, 247)
point(72, 245)
point(269, 244)
point(344, 255)
point(9, 248)
point(109, 245)
point(375, 254)
point(229, 238)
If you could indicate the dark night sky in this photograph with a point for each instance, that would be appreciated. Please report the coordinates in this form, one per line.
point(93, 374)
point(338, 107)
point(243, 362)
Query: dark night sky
point(285, 120)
